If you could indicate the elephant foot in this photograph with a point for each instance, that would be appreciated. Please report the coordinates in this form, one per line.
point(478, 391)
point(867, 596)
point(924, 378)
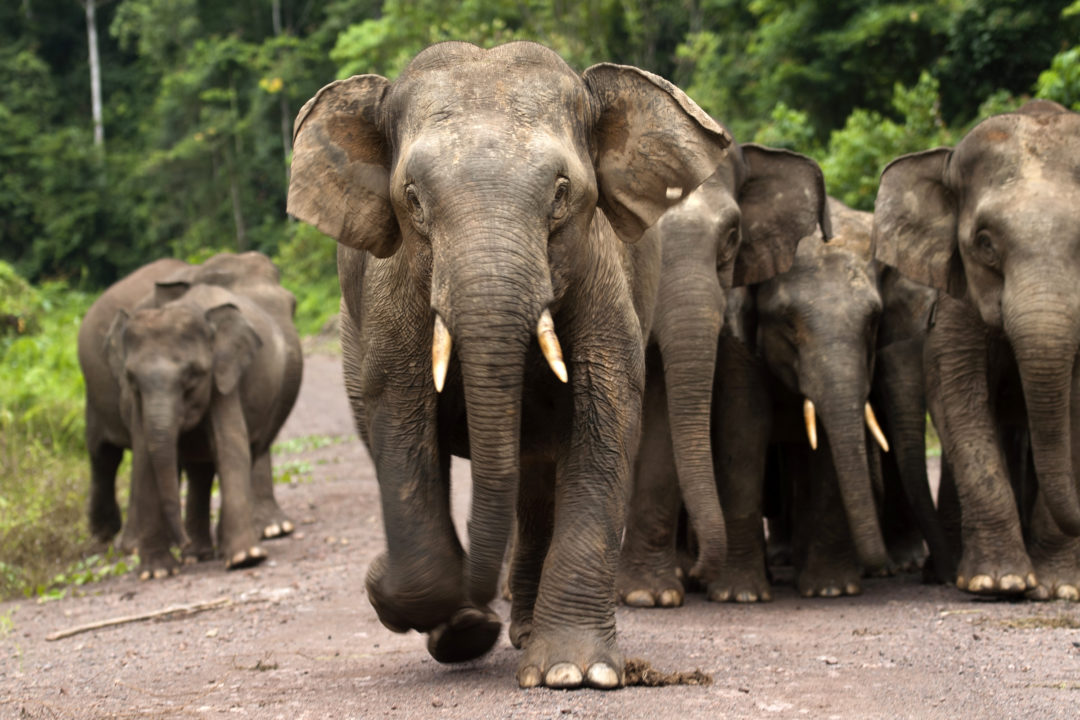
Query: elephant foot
point(520, 632)
point(157, 564)
point(1057, 572)
point(198, 552)
point(571, 659)
point(470, 633)
point(990, 573)
point(829, 581)
point(653, 587)
point(741, 585)
point(105, 523)
point(244, 558)
point(906, 554)
point(430, 601)
point(271, 521)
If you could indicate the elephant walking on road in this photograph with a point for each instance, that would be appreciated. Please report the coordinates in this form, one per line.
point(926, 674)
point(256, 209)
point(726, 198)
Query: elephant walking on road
point(994, 225)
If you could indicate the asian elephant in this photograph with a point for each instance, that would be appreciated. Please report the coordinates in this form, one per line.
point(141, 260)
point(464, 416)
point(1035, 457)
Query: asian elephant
point(483, 201)
point(741, 226)
point(189, 376)
point(796, 348)
point(994, 225)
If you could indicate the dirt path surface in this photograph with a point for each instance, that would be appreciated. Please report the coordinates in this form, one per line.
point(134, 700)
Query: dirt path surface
point(297, 637)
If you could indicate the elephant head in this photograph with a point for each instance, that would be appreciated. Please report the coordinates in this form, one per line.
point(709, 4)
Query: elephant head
point(169, 361)
point(817, 326)
point(740, 227)
point(996, 221)
point(481, 172)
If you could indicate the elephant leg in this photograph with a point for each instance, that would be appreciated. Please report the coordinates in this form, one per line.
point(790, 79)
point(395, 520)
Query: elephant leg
point(742, 428)
point(232, 457)
point(573, 643)
point(104, 512)
point(146, 528)
point(648, 566)
point(535, 521)
point(200, 480)
point(993, 560)
point(1056, 557)
point(826, 563)
point(778, 494)
point(899, 525)
point(270, 519)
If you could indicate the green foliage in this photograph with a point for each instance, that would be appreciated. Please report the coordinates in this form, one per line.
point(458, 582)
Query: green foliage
point(308, 263)
point(1061, 82)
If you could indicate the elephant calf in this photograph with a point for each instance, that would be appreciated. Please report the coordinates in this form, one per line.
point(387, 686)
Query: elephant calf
point(192, 367)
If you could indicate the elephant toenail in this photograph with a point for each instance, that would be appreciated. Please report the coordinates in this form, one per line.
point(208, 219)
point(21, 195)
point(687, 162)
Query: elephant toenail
point(766, 596)
point(671, 598)
point(144, 575)
point(1038, 593)
point(272, 531)
point(807, 592)
point(161, 573)
point(746, 597)
point(720, 595)
point(563, 675)
point(287, 527)
point(1013, 583)
point(830, 592)
point(1032, 581)
point(853, 589)
point(529, 677)
point(981, 583)
point(961, 582)
point(640, 598)
point(1067, 592)
point(603, 676)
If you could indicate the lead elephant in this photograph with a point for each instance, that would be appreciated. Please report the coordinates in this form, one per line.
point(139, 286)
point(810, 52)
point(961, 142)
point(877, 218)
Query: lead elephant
point(741, 226)
point(478, 202)
point(190, 376)
point(994, 225)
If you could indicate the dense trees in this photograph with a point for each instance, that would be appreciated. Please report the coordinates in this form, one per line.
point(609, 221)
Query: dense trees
point(199, 96)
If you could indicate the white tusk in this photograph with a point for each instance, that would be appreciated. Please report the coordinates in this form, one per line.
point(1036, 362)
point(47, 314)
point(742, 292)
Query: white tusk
point(549, 344)
point(875, 429)
point(440, 352)
point(810, 417)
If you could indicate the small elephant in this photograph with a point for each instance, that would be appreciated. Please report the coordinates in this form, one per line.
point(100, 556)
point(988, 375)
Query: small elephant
point(480, 201)
point(796, 348)
point(992, 224)
point(741, 226)
point(196, 377)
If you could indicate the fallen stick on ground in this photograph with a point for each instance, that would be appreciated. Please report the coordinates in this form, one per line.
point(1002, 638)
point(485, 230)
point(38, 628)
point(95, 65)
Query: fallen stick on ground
point(172, 610)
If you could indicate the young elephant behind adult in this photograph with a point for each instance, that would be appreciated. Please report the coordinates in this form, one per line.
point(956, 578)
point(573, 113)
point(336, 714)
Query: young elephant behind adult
point(479, 201)
point(741, 226)
point(190, 376)
point(994, 224)
point(796, 349)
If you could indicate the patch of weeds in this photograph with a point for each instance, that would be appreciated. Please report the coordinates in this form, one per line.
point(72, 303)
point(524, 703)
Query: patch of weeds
point(304, 444)
point(7, 624)
point(291, 471)
point(1041, 622)
point(83, 572)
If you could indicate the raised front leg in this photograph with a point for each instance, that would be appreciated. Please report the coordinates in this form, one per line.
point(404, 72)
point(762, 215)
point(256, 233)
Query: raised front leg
point(572, 642)
point(993, 558)
point(648, 567)
point(232, 458)
point(742, 428)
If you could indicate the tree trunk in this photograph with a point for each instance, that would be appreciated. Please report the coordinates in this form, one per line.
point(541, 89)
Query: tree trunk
point(95, 76)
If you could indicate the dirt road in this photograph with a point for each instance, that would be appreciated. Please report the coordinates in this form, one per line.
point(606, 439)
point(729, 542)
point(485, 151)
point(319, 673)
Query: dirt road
point(297, 637)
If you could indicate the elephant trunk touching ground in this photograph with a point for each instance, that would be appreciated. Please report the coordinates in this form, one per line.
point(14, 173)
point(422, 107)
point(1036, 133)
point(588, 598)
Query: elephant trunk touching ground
point(162, 414)
point(688, 345)
point(490, 289)
point(841, 403)
point(1043, 325)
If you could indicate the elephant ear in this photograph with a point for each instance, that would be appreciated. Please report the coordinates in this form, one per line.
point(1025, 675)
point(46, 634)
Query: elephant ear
point(165, 291)
point(652, 145)
point(235, 344)
point(114, 344)
point(782, 200)
point(915, 221)
point(340, 176)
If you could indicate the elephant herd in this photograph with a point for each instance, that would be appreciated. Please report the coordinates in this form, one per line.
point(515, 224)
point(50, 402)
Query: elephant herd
point(673, 361)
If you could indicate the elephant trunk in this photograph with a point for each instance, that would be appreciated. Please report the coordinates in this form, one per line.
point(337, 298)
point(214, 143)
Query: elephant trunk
point(162, 414)
point(1043, 329)
point(491, 295)
point(842, 410)
point(688, 323)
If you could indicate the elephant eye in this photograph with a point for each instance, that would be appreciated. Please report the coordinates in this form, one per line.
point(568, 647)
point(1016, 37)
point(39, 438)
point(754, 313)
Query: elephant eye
point(728, 244)
point(412, 199)
point(984, 248)
point(560, 203)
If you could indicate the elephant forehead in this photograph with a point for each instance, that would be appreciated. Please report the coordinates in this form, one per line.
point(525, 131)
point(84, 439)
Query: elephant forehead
point(166, 325)
point(1017, 147)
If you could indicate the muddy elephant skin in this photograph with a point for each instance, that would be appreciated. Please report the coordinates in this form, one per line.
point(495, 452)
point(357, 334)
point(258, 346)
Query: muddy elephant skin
point(482, 203)
point(994, 225)
point(190, 375)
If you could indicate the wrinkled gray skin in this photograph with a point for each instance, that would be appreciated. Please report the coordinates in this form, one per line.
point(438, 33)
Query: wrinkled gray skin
point(807, 333)
point(483, 187)
point(994, 224)
point(191, 376)
point(906, 505)
point(741, 226)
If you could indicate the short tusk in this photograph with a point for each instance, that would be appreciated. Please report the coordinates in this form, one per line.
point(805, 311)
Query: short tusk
point(549, 344)
point(440, 352)
point(875, 429)
point(810, 417)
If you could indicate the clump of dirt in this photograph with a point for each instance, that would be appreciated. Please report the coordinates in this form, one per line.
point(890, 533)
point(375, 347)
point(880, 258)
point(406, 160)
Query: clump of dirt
point(641, 672)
